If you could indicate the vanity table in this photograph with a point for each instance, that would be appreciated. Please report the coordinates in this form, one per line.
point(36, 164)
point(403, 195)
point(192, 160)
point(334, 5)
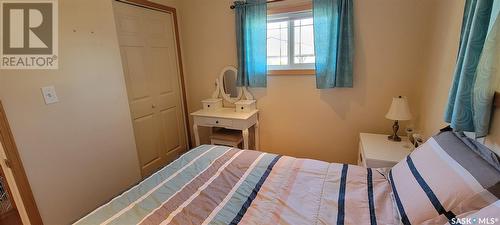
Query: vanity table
point(214, 114)
point(227, 118)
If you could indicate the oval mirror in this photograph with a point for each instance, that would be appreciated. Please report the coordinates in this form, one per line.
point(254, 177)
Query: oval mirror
point(230, 91)
point(229, 83)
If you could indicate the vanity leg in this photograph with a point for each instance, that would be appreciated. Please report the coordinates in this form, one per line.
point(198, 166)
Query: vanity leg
point(257, 136)
point(245, 138)
point(196, 135)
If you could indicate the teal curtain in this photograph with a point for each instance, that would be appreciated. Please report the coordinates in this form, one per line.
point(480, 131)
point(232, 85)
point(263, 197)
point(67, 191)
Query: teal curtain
point(494, 13)
point(460, 110)
point(487, 80)
point(251, 41)
point(333, 43)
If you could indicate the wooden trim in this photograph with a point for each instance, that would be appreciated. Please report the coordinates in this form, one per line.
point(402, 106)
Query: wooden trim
point(289, 8)
point(150, 5)
point(16, 165)
point(181, 72)
point(291, 72)
point(164, 8)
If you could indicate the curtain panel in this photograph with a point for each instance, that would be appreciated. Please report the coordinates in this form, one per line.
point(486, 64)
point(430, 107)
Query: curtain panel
point(333, 43)
point(487, 81)
point(251, 41)
point(460, 111)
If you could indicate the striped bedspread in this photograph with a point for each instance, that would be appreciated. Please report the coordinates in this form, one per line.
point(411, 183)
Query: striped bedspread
point(220, 185)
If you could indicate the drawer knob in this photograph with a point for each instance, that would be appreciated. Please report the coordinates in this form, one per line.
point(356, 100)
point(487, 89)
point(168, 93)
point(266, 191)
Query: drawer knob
point(242, 107)
point(216, 121)
point(208, 106)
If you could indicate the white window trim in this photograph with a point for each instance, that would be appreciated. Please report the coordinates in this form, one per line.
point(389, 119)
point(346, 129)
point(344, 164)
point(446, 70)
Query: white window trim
point(289, 17)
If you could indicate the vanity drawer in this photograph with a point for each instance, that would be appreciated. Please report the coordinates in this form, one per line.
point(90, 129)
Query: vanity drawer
point(212, 104)
point(216, 122)
point(245, 105)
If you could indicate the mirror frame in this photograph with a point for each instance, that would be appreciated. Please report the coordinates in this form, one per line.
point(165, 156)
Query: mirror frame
point(219, 88)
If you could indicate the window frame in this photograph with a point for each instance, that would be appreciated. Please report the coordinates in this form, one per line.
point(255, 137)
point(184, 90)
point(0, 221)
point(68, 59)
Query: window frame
point(293, 68)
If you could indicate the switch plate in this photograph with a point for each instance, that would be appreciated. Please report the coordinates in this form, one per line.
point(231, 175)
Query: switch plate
point(49, 95)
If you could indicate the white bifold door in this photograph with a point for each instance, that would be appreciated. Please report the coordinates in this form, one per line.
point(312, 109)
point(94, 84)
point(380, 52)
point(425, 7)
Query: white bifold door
point(152, 75)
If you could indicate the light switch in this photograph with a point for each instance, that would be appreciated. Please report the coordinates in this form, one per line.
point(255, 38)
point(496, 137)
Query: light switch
point(49, 95)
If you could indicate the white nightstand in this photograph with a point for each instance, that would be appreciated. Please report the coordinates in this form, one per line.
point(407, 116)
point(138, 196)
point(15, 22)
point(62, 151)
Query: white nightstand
point(376, 151)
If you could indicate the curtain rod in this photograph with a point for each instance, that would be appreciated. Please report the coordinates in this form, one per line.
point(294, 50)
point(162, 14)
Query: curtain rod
point(270, 1)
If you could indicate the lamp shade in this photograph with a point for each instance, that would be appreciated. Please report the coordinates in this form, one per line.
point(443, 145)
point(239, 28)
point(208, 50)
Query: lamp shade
point(399, 109)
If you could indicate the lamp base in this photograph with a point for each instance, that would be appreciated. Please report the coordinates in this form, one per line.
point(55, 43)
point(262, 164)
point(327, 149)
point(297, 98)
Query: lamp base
point(394, 136)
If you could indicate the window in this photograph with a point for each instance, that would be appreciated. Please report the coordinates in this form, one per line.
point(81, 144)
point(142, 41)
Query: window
point(290, 41)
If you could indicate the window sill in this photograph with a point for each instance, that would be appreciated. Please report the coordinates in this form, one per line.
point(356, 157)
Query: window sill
point(291, 72)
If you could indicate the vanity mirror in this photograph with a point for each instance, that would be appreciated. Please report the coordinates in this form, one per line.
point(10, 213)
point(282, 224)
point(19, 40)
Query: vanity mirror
point(228, 79)
point(227, 88)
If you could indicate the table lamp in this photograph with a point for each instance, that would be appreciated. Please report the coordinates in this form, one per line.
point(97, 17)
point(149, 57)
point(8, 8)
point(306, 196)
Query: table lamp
point(399, 111)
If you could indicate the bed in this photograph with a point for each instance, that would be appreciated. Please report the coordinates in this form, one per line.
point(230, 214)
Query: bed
point(448, 180)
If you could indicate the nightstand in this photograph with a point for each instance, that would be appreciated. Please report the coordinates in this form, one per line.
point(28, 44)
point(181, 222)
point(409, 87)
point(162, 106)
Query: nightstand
point(376, 151)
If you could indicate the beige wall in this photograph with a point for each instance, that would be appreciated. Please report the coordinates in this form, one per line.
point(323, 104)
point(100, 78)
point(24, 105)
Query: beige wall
point(80, 152)
point(438, 75)
point(296, 118)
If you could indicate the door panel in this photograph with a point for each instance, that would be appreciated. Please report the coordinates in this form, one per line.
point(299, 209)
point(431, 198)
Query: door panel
point(129, 25)
point(162, 70)
point(138, 80)
point(149, 58)
point(142, 108)
point(146, 137)
point(159, 29)
point(167, 101)
point(171, 127)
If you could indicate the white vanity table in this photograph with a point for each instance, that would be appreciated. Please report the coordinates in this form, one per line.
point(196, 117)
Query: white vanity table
point(228, 117)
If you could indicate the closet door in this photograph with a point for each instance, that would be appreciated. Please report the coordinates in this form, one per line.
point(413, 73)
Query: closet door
point(149, 58)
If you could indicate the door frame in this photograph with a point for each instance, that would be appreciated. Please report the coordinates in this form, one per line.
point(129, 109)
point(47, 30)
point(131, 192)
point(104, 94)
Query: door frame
point(163, 8)
point(15, 164)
